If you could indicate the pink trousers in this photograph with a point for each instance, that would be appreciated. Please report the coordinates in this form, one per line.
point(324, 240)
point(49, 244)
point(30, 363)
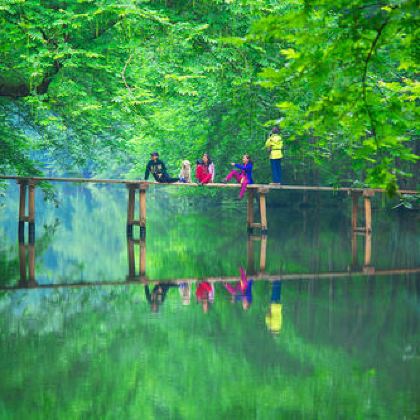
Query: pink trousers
point(242, 179)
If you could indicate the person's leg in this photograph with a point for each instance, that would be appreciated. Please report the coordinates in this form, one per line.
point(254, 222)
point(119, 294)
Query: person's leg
point(233, 174)
point(273, 170)
point(172, 180)
point(244, 184)
point(206, 179)
point(168, 180)
point(276, 291)
point(280, 177)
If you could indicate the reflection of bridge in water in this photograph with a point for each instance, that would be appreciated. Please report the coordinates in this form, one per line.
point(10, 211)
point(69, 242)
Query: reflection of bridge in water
point(139, 275)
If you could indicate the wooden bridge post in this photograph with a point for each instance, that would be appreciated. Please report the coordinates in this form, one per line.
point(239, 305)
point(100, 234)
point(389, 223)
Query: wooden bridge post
point(31, 263)
point(142, 259)
point(354, 249)
point(263, 210)
point(368, 249)
point(367, 194)
point(26, 185)
point(22, 209)
point(130, 209)
point(22, 261)
point(250, 211)
point(142, 209)
point(31, 211)
point(250, 266)
point(263, 253)
point(355, 206)
point(131, 259)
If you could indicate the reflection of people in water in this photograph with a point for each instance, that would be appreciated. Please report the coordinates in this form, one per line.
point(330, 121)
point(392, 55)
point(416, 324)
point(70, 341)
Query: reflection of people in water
point(158, 295)
point(205, 294)
point(274, 319)
point(241, 290)
point(185, 292)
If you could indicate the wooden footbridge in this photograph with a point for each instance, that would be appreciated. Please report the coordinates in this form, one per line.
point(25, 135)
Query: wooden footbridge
point(27, 187)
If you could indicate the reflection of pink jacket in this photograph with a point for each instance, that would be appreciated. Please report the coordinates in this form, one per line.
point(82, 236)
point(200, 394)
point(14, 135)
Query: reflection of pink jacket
point(240, 287)
point(205, 290)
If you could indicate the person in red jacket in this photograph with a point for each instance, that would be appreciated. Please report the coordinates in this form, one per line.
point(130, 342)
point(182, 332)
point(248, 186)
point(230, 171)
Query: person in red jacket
point(205, 170)
point(205, 294)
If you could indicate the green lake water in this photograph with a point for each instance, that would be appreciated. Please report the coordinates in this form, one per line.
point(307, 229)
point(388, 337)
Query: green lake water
point(312, 344)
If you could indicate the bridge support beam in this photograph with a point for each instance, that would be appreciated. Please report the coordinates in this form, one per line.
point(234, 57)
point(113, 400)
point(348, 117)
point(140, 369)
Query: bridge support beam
point(132, 274)
point(141, 221)
point(251, 224)
point(263, 210)
point(27, 188)
point(367, 195)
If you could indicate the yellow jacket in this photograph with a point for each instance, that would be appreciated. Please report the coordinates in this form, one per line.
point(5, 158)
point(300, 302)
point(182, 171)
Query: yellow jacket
point(275, 144)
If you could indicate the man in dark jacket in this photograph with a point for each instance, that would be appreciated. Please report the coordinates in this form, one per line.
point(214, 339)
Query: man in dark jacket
point(157, 168)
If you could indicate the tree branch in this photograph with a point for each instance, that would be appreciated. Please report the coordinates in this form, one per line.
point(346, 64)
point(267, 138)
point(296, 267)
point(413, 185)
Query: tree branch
point(364, 77)
point(22, 89)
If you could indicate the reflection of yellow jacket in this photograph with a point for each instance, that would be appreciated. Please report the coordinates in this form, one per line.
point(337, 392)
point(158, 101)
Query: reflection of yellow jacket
point(275, 143)
point(274, 318)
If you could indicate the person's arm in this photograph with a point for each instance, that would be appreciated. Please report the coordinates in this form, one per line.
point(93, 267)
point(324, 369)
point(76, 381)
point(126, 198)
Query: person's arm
point(147, 173)
point(239, 166)
point(268, 144)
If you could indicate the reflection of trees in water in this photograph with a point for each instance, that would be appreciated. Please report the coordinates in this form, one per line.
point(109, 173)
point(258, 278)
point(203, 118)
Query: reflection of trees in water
point(9, 254)
point(109, 334)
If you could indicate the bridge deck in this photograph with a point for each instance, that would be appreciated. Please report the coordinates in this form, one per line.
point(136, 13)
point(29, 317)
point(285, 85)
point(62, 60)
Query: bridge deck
point(193, 184)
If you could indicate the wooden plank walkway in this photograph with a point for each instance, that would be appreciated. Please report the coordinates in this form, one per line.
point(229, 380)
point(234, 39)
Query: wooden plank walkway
point(193, 184)
point(28, 184)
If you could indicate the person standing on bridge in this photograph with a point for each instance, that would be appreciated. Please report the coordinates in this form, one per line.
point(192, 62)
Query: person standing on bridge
point(245, 176)
point(274, 145)
point(157, 168)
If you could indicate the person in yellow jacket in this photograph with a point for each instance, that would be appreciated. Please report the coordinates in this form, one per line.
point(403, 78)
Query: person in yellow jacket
point(274, 318)
point(274, 145)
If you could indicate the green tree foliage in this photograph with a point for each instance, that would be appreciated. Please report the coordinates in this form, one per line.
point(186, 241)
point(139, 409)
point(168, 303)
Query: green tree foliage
point(347, 71)
point(102, 83)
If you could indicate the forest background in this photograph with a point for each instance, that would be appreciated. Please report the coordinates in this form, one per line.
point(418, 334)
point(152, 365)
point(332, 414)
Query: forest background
point(91, 87)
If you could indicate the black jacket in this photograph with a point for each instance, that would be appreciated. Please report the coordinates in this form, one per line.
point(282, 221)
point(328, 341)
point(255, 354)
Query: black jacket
point(157, 169)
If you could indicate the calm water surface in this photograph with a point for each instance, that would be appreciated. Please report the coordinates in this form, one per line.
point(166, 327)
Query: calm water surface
point(316, 340)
